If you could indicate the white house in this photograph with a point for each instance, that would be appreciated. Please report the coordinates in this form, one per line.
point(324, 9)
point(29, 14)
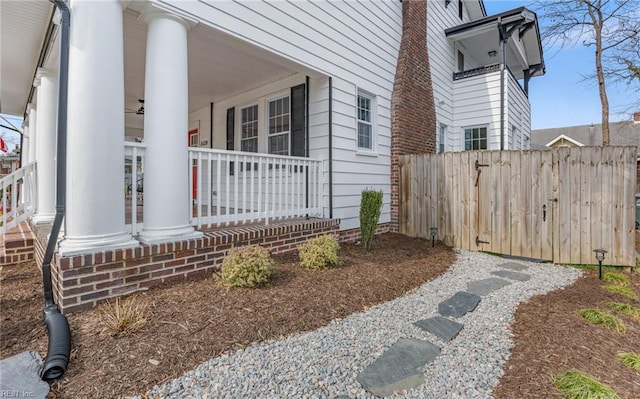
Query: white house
point(232, 113)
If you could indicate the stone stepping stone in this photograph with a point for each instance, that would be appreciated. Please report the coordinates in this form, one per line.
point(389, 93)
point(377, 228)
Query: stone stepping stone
point(459, 304)
point(512, 275)
point(514, 266)
point(486, 286)
point(399, 368)
point(441, 327)
point(19, 375)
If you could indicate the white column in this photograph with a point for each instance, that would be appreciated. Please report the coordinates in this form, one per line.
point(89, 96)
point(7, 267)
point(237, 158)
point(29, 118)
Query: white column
point(94, 219)
point(47, 85)
point(32, 132)
point(26, 137)
point(167, 210)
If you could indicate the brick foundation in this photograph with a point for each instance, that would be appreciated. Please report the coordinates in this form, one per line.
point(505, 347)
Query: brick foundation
point(84, 281)
point(17, 245)
point(413, 118)
point(353, 235)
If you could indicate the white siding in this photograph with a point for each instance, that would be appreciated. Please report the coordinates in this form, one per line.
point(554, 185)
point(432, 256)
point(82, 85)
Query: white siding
point(477, 103)
point(519, 113)
point(356, 43)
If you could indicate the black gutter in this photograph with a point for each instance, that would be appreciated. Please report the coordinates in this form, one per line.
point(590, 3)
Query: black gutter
point(330, 148)
point(59, 348)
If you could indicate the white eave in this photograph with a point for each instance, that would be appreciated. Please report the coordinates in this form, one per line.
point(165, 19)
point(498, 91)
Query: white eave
point(23, 27)
point(564, 137)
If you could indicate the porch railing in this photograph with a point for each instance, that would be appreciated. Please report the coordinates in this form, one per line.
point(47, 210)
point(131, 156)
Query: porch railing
point(469, 73)
point(17, 197)
point(230, 187)
point(238, 187)
point(133, 184)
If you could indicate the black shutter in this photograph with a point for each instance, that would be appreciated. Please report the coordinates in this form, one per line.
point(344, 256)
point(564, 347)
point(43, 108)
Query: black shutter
point(231, 117)
point(231, 113)
point(298, 120)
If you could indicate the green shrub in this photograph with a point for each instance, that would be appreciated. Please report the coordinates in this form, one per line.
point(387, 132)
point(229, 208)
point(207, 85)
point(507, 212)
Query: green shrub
point(247, 266)
point(620, 290)
point(598, 317)
point(630, 360)
point(616, 278)
point(632, 312)
point(319, 252)
point(370, 207)
point(578, 385)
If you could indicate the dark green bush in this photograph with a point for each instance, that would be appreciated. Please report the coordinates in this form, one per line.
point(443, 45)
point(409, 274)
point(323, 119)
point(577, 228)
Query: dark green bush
point(370, 207)
point(247, 266)
point(319, 253)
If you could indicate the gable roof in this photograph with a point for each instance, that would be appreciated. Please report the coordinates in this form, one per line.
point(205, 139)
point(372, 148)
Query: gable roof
point(563, 137)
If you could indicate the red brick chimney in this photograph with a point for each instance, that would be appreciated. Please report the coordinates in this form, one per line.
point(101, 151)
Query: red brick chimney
point(413, 117)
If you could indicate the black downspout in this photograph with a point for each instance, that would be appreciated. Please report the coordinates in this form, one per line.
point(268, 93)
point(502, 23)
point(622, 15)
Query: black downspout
point(330, 148)
point(306, 139)
point(59, 347)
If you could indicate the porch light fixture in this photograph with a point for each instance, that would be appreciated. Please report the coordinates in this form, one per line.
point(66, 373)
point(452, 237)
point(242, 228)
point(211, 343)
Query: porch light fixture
point(600, 257)
point(446, 3)
point(434, 233)
point(492, 53)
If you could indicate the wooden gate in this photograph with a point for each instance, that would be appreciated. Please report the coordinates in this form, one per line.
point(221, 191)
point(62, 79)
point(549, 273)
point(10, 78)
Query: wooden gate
point(556, 205)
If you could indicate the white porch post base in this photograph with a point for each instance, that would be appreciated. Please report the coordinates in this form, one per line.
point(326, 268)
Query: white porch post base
point(43, 218)
point(90, 244)
point(158, 236)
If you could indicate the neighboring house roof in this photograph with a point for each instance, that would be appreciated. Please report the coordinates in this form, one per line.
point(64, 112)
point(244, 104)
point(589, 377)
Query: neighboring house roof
point(620, 133)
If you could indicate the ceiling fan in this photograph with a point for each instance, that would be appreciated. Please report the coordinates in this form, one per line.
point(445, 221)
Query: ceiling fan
point(139, 111)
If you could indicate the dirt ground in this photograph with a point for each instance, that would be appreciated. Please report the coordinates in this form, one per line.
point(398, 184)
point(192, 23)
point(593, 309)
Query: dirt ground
point(551, 338)
point(193, 321)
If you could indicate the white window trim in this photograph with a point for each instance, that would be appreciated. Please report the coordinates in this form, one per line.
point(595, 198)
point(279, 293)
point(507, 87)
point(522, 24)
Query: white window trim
point(373, 152)
point(464, 137)
point(274, 97)
point(442, 141)
point(238, 123)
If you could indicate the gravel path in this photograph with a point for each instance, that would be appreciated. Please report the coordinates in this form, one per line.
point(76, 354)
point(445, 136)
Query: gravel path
point(324, 363)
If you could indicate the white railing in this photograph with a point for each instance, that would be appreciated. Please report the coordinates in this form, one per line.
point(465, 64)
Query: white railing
point(133, 184)
point(17, 196)
point(238, 187)
point(230, 187)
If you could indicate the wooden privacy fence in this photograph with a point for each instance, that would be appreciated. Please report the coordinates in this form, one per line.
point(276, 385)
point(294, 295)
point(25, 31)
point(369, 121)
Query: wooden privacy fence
point(557, 205)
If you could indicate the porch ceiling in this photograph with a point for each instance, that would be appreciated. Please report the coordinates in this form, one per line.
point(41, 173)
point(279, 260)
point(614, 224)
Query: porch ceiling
point(482, 36)
point(219, 65)
point(23, 25)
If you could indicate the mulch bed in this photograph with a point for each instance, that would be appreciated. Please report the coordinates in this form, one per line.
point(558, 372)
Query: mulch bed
point(551, 338)
point(193, 321)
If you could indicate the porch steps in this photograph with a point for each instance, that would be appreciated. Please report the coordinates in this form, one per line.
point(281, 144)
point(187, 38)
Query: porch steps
point(401, 367)
point(17, 245)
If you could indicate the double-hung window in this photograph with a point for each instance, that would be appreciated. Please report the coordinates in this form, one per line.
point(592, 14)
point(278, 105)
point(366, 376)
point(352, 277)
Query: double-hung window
point(365, 122)
point(279, 126)
point(249, 129)
point(475, 138)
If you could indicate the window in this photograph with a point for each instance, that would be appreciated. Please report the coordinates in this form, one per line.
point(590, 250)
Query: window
point(442, 130)
point(460, 9)
point(278, 138)
point(475, 138)
point(249, 129)
point(460, 61)
point(365, 122)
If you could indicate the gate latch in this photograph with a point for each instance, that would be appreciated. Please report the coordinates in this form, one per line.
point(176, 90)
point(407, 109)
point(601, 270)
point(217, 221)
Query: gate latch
point(479, 241)
point(478, 166)
point(544, 213)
